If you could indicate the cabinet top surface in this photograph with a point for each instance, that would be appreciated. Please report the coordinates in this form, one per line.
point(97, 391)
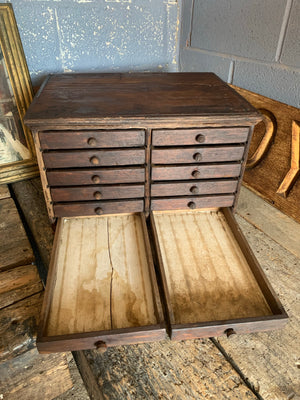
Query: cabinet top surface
point(88, 98)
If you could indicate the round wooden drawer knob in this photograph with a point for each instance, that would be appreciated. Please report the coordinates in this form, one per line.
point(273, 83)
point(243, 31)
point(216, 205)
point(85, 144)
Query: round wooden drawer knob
point(192, 205)
point(197, 157)
point(92, 141)
point(95, 160)
point(98, 210)
point(196, 174)
point(200, 138)
point(229, 332)
point(101, 346)
point(96, 179)
point(194, 190)
point(97, 195)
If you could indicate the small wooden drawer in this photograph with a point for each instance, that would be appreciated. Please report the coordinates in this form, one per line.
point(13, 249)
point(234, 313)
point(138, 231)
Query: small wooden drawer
point(193, 188)
point(196, 172)
point(91, 139)
point(97, 208)
point(93, 158)
point(197, 154)
point(191, 203)
point(212, 282)
point(181, 137)
point(86, 193)
point(101, 289)
point(95, 176)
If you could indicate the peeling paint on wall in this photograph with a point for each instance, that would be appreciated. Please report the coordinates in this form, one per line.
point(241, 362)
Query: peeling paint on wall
point(97, 35)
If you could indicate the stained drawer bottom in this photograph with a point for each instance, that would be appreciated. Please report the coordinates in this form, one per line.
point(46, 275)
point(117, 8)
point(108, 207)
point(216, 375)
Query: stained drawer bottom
point(102, 286)
point(211, 279)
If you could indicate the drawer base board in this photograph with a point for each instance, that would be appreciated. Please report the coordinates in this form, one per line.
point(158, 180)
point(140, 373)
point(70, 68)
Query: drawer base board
point(211, 281)
point(102, 285)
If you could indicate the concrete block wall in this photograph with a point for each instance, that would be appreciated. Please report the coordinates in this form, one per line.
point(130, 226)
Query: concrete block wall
point(97, 35)
point(253, 44)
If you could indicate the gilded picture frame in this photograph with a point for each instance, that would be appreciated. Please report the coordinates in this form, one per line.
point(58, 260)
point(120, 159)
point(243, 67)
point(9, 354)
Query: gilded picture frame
point(17, 156)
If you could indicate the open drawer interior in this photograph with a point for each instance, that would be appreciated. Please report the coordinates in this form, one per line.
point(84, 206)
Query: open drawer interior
point(211, 279)
point(101, 288)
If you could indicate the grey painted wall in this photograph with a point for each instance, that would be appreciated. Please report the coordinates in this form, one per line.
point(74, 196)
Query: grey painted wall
point(254, 44)
point(97, 35)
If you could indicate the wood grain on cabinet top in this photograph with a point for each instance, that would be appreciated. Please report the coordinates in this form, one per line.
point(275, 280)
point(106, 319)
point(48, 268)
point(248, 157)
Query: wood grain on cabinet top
point(86, 99)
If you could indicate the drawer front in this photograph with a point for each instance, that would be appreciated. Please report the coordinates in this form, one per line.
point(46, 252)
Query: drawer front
point(181, 137)
point(193, 188)
point(197, 154)
point(95, 176)
point(195, 172)
point(92, 193)
point(91, 139)
point(90, 158)
point(191, 203)
point(98, 208)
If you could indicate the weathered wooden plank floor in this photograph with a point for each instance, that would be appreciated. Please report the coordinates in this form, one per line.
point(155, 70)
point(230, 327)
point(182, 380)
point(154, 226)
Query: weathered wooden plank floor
point(197, 369)
point(24, 374)
point(271, 360)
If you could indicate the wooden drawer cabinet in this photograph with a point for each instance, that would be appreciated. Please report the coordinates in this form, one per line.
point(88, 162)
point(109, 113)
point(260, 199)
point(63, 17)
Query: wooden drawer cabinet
point(92, 158)
point(168, 166)
point(89, 208)
point(197, 154)
point(184, 137)
point(95, 176)
point(194, 187)
point(208, 171)
point(92, 193)
point(53, 140)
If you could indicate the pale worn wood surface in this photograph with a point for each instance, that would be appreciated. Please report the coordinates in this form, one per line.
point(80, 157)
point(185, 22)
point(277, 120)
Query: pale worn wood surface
point(164, 370)
point(15, 247)
point(271, 360)
point(4, 192)
point(207, 275)
point(103, 269)
point(19, 283)
point(32, 376)
point(278, 226)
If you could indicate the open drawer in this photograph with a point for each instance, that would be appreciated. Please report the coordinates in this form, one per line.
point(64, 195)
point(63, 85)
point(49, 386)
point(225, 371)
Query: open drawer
point(211, 279)
point(101, 288)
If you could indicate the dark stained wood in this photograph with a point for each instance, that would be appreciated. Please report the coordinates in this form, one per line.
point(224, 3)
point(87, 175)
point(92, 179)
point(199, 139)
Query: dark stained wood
point(91, 139)
point(191, 203)
point(175, 173)
point(93, 158)
point(29, 194)
point(96, 192)
point(15, 247)
point(104, 207)
point(270, 155)
point(19, 283)
point(103, 175)
point(107, 96)
point(193, 187)
point(190, 155)
point(183, 137)
point(18, 326)
point(32, 376)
